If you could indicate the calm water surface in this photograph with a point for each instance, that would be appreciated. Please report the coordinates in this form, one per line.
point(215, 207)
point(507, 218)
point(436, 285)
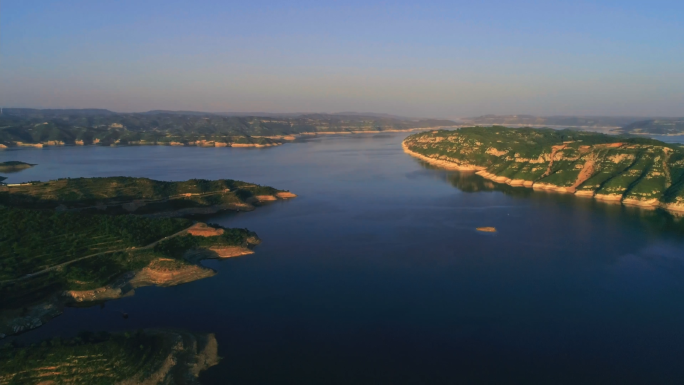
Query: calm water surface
point(375, 273)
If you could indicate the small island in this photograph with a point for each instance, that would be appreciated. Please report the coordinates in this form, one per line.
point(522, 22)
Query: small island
point(633, 171)
point(14, 166)
point(86, 240)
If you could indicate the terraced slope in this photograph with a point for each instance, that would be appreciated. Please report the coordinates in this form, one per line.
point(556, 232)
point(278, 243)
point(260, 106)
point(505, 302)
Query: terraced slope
point(142, 357)
point(640, 172)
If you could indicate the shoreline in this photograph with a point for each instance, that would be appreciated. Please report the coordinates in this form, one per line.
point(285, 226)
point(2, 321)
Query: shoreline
point(212, 143)
point(615, 198)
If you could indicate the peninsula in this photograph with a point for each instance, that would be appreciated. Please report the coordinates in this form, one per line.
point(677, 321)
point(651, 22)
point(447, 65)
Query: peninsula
point(634, 171)
point(93, 239)
point(665, 127)
point(14, 166)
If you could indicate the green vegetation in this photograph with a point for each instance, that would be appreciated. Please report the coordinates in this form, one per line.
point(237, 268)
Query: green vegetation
point(106, 358)
point(77, 235)
point(140, 195)
point(635, 170)
point(102, 127)
point(43, 252)
point(32, 240)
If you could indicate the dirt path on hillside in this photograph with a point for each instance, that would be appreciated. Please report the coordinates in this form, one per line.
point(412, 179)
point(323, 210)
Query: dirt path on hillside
point(51, 268)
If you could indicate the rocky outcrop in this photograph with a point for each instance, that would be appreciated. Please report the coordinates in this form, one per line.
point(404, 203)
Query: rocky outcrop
point(160, 272)
point(203, 230)
point(285, 195)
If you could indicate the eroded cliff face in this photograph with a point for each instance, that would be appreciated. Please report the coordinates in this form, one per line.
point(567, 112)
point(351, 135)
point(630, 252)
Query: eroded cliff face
point(639, 172)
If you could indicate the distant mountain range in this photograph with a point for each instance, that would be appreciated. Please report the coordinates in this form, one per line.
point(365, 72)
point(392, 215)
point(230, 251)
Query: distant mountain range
point(617, 124)
point(568, 121)
point(34, 127)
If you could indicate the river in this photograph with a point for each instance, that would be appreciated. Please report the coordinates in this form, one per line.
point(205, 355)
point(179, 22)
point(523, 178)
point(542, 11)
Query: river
point(376, 274)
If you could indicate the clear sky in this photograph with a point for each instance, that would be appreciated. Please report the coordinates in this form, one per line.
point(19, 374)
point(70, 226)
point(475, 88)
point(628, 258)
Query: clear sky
point(416, 58)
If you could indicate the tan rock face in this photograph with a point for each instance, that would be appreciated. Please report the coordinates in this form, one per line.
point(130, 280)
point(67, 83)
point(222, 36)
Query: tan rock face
point(609, 197)
point(231, 251)
point(641, 202)
point(166, 272)
point(286, 195)
point(36, 145)
point(517, 182)
point(495, 152)
point(204, 230)
point(265, 198)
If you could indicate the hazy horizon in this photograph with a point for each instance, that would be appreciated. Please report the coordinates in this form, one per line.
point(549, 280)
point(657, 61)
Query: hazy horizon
point(440, 60)
point(367, 113)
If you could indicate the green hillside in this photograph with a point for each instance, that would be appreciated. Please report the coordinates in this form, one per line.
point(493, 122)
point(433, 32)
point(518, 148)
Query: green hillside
point(95, 239)
point(149, 356)
point(635, 171)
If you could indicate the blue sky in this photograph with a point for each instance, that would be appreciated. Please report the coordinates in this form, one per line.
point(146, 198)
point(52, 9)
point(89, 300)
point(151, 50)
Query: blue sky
point(429, 58)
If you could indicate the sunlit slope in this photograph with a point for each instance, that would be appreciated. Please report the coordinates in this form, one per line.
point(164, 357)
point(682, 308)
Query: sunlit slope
point(642, 172)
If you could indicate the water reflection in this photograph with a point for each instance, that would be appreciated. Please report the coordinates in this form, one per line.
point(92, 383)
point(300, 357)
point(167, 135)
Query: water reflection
point(653, 220)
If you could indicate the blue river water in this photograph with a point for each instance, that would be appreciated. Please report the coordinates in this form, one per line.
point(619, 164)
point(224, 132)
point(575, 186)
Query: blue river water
point(375, 273)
